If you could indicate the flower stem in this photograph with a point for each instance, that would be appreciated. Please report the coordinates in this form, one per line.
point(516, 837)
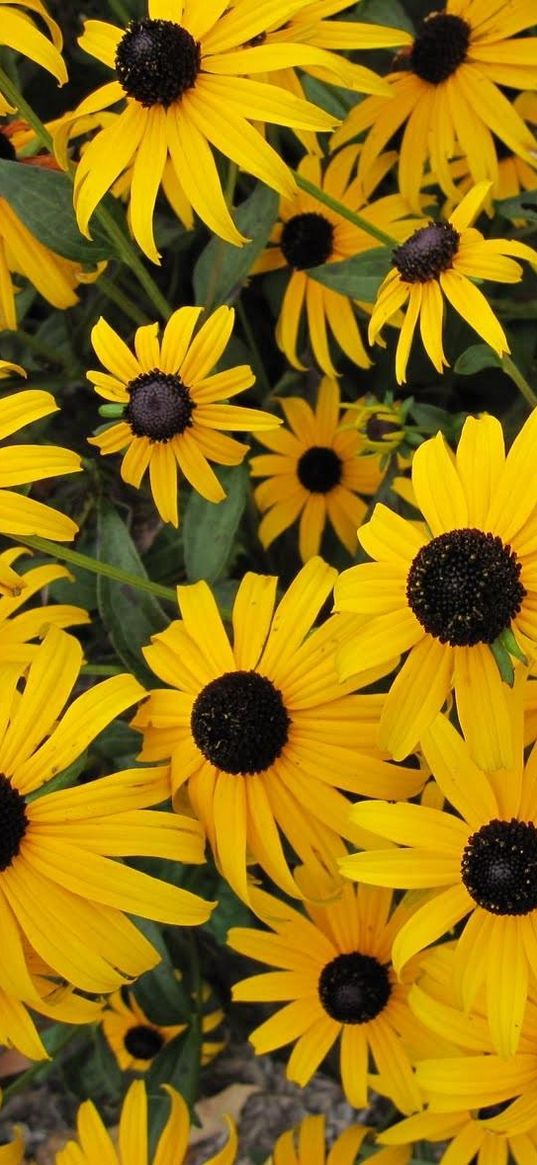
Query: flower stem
point(514, 373)
point(121, 300)
point(94, 566)
point(345, 211)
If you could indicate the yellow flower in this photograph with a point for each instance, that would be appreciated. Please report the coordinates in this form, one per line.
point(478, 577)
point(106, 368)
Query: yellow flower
point(450, 95)
point(251, 728)
point(95, 1146)
point(305, 1145)
point(174, 409)
point(441, 259)
point(381, 424)
point(18, 628)
point(307, 234)
point(450, 596)
point(483, 1136)
point(135, 1040)
point(21, 253)
point(60, 888)
point(187, 91)
point(19, 32)
point(314, 472)
point(61, 1004)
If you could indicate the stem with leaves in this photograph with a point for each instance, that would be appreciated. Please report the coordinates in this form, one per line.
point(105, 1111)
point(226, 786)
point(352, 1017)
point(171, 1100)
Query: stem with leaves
point(94, 566)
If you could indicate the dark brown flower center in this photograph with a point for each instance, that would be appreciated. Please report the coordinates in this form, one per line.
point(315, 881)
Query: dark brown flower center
point(354, 988)
point(143, 1042)
point(379, 429)
point(160, 406)
point(307, 240)
point(319, 469)
point(499, 867)
point(464, 587)
point(428, 252)
point(157, 61)
point(440, 47)
point(239, 722)
point(13, 822)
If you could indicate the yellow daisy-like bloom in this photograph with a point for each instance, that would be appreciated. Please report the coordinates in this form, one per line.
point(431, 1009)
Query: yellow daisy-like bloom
point(381, 424)
point(514, 174)
point(452, 596)
point(18, 628)
point(336, 978)
point(307, 234)
point(19, 32)
point(22, 464)
point(314, 473)
point(450, 95)
point(135, 1040)
point(501, 1137)
point(305, 1145)
point(441, 259)
point(94, 1143)
point(57, 1003)
point(480, 861)
point(174, 408)
point(251, 728)
point(183, 72)
point(60, 888)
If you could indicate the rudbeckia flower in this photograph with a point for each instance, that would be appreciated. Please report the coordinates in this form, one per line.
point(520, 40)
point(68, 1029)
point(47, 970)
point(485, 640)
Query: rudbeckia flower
point(21, 253)
point(173, 407)
point(336, 978)
point(94, 1144)
point(479, 859)
point(59, 1003)
point(441, 259)
point(18, 628)
point(250, 728)
point(19, 32)
point(61, 890)
point(452, 596)
point(306, 1145)
point(448, 91)
point(314, 472)
point(135, 1040)
point(183, 72)
point(480, 1136)
point(308, 234)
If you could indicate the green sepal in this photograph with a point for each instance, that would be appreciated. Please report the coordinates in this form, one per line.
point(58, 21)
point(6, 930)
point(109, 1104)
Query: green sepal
point(507, 639)
point(503, 660)
point(111, 410)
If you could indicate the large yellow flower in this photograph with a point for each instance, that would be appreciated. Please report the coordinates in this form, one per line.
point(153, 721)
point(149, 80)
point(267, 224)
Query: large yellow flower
point(307, 234)
point(182, 71)
point(263, 732)
point(314, 472)
point(452, 592)
point(450, 95)
point(441, 259)
point(60, 888)
point(173, 407)
point(18, 31)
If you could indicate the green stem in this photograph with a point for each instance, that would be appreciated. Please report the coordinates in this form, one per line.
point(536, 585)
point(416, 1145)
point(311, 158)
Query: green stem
point(229, 194)
point(259, 367)
point(511, 370)
point(345, 211)
point(101, 669)
point(41, 1069)
point(119, 10)
point(121, 300)
point(34, 344)
point(94, 566)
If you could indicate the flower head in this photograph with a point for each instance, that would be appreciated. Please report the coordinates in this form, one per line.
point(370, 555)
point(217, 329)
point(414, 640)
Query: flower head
point(137, 1040)
point(173, 406)
point(305, 1145)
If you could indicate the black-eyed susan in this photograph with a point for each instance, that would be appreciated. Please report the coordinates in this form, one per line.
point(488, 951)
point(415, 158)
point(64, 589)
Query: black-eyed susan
point(306, 1145)
point(380, 423)
point(514, 176)
point(60, 888)
point(184, 74)
point(308, 234)
point(136, 1040)
point(448, 91)
point(263, 733)
point(314, 472)
point(18, 629)
point(19, 31)
point(94, 1143)
point(483, 1136)
point(23, 464)
point(335, 975)
point(174, 408)
point(455, 595)
point(479, 859)
point(59, 1003)
point(441, 259)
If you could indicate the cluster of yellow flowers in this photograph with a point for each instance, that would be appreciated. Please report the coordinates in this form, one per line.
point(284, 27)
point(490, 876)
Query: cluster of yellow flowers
point(305, 731)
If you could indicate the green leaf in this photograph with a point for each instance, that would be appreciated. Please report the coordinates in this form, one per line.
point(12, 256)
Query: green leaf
point(210, 528)
point(431, 419)
point(179, 1064)
point(507, 640)
point(390, 13)
point(43, 199)
point(523, 206)
point(229, 912)
point(503, 661)
point(222, 268)
point(359, 277)
point(475, 358)
point(159, 992)
point(130, 616)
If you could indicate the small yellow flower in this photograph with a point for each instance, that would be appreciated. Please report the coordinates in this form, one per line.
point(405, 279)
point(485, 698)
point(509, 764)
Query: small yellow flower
point(305, 1145)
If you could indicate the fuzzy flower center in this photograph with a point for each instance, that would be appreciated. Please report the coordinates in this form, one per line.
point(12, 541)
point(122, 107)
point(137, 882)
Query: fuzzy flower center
point(239, 722)
point(428, 252)
point(440, 47)
point(378, 428)
point(143, 1042)
point(13, 822)
point(319, 469)
point(157, 61)
point(307, 240)
point(160, 406)
point(499, 867)
point(354, 988)
point(464, 587)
